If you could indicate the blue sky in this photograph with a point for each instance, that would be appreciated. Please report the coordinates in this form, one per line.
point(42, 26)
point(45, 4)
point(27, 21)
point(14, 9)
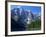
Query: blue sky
point(34, 9)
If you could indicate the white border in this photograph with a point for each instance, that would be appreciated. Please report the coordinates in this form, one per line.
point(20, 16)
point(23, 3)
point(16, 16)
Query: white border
point(24, 32)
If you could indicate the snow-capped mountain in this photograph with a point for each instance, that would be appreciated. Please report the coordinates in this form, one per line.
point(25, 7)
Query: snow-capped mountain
point(24, 16)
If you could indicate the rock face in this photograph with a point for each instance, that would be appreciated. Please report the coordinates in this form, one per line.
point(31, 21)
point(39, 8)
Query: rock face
point(20, 18)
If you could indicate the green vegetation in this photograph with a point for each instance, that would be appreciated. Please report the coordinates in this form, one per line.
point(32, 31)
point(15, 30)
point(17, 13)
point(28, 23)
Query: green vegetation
point(35, 25)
